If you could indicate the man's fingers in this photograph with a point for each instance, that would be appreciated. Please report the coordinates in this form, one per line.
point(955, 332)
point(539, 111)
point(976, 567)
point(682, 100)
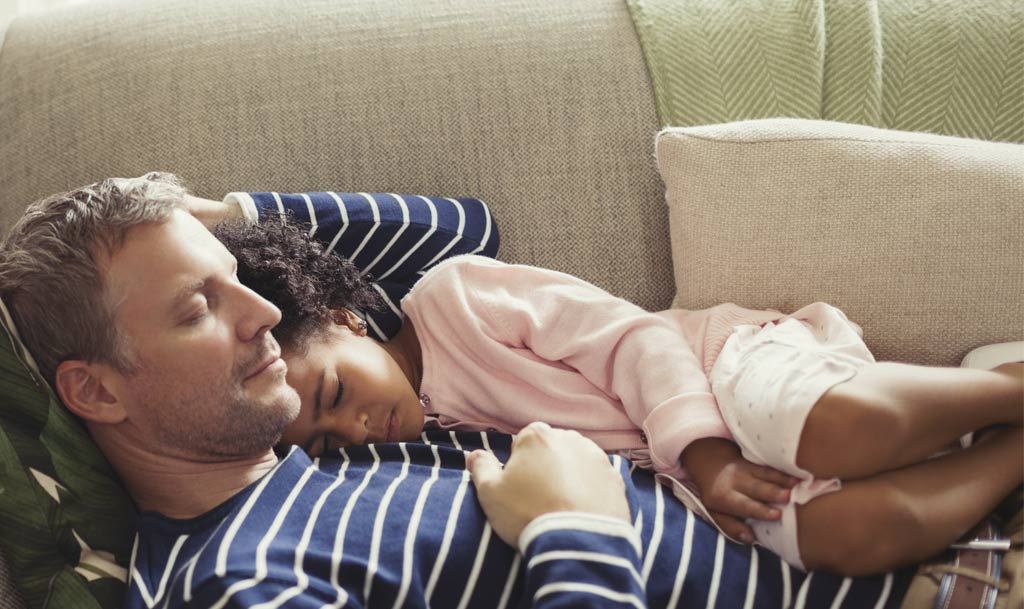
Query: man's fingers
point(527, 432)
point(484, 468)
point(734, 527)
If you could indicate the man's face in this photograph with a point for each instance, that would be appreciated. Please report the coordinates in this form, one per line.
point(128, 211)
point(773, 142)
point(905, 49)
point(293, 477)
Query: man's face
point(201, 343)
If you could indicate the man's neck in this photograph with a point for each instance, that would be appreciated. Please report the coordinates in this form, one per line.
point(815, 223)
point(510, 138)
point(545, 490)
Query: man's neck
point(175, 486)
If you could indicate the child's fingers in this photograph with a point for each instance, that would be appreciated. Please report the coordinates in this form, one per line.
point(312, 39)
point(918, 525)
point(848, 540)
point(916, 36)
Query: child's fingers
point(734, 527)
point(773, 475)
point(744, 506)
point(762, 490)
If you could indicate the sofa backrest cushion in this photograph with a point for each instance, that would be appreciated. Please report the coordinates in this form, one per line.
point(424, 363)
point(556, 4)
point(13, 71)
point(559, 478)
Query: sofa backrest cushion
point(916, 237)
point(543, 109)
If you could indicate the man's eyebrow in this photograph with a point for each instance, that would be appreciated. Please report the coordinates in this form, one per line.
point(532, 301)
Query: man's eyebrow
point(187, 291)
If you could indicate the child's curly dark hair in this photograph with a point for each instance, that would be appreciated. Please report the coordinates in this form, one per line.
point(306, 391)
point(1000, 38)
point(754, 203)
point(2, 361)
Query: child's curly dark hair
point(280, 262)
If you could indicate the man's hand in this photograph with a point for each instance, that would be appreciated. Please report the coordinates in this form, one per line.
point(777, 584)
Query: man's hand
point(210, 212)
point(733, 488)
point(550, 470)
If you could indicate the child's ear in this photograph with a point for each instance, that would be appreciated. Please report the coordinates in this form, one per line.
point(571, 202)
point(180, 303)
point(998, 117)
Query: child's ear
point(345, 317)
point(85, 390)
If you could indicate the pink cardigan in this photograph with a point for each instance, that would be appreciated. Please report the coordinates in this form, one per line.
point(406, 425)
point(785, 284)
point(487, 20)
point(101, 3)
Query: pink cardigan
point(504, 345)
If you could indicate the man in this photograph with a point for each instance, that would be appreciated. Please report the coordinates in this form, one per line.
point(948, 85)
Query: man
point(134, 314)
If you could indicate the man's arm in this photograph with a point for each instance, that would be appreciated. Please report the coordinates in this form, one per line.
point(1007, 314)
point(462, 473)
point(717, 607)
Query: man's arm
point(394, 239)
point(559, 500)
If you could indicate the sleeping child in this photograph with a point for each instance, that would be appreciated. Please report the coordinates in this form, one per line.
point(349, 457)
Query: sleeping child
point(779, 428)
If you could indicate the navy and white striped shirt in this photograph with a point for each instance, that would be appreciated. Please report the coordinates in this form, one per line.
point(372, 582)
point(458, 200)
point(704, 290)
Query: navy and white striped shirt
point(399, 525)
point(393, 239)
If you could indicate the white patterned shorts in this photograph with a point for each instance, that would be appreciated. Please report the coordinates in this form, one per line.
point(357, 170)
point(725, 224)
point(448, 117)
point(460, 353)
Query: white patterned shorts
point(766, 381)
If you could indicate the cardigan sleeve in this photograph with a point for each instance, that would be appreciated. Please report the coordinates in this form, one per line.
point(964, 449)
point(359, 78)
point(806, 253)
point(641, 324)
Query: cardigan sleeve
point(633, 356)
point(393, 239)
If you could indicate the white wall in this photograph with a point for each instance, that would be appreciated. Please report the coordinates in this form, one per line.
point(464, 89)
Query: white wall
point(11, 8)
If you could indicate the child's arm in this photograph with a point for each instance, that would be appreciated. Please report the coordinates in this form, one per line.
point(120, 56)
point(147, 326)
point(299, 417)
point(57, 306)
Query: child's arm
point(639, 359)
point(393, 239)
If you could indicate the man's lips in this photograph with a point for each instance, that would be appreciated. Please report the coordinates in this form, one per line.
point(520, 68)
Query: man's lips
point(263, 365)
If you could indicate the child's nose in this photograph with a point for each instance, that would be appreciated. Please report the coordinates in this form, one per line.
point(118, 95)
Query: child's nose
point(351, 427)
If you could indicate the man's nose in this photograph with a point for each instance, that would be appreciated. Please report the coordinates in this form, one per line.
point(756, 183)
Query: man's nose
point(260, 316)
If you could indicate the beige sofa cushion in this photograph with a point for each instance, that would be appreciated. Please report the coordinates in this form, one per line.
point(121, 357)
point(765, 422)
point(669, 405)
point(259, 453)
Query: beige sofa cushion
point(542, 109)
point(919, 238)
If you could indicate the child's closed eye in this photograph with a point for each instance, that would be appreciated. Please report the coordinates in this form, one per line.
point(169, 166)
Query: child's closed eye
point(328, 444)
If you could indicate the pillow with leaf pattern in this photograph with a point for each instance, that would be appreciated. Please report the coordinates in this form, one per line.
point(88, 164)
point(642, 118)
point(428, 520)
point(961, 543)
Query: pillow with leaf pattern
point(67, 523)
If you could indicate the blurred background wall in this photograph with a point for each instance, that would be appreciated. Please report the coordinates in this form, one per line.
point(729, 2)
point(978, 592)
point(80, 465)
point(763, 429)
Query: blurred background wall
point(9, 9)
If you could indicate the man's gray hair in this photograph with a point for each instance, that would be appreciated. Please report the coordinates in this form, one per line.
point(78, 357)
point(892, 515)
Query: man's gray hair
point(50, 275)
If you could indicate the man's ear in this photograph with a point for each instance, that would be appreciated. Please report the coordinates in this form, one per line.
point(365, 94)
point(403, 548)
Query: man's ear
point(345, 317)
point(83, 389)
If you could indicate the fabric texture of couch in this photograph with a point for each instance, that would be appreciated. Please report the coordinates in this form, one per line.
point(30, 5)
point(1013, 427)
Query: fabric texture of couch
point(546, 110)
point(775, 212)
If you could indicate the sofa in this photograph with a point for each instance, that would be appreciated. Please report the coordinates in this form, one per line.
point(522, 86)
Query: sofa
point(548, 111)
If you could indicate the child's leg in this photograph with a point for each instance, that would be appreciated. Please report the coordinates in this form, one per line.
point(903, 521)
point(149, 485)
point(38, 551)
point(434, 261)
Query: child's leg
point(890, 415)
point(904, 516)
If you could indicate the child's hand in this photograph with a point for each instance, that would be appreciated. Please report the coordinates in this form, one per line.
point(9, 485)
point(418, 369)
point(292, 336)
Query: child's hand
point(734, 489)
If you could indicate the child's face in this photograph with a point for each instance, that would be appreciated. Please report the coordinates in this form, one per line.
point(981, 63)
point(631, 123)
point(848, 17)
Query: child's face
point(352, 392)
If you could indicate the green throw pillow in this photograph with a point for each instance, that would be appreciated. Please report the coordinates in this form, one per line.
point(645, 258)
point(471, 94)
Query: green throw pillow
point(67, 523)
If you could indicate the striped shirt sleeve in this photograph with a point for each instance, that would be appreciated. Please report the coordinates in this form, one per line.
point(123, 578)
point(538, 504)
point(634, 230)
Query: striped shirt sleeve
point(393, 239)
point(576, 559)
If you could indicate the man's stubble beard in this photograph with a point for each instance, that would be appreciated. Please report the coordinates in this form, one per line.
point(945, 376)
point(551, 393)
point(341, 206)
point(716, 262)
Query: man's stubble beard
point(217, 420)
